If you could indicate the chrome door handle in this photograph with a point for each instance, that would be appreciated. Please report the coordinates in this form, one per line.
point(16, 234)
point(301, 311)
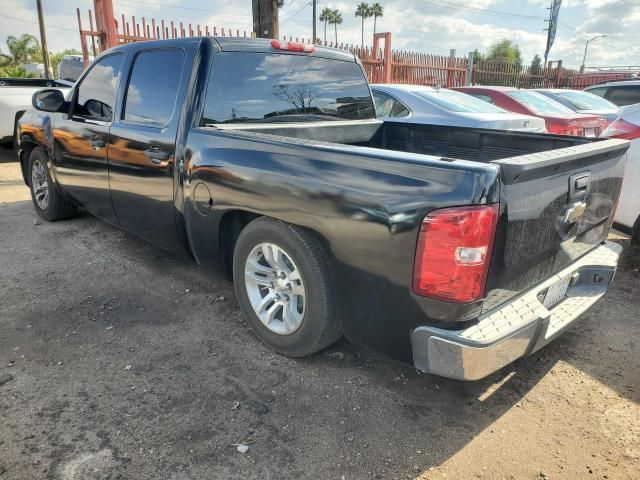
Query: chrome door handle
point(156, 155)
point(97, 143)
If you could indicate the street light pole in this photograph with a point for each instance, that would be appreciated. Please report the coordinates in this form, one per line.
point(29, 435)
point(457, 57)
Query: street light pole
point(584, 58)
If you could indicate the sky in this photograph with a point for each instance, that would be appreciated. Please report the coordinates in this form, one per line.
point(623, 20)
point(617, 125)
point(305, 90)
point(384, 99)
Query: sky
point(432, 26)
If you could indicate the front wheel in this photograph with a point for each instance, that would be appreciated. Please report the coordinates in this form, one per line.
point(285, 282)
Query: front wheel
point(284, 288)
point(48, 202)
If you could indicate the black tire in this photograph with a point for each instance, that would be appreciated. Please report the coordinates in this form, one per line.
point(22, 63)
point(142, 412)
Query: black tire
point(57, 208)
point(320, 326)
point(635, 233)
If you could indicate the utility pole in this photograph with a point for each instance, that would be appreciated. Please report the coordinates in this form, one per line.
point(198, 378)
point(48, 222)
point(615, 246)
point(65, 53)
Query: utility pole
point(584, 58)
point(314, 22)
point(48, 72)
point(265, 18)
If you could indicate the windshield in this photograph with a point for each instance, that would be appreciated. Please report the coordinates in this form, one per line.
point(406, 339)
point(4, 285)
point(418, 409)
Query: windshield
point(458, 101)
point(258, 87)
point(587, 101)
point(538, 103)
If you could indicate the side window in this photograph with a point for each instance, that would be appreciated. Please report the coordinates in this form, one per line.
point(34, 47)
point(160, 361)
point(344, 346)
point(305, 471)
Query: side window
point(624, 95)
point(153, 87)
point(484, 97)
point(598, 91)
point(388, 107)
point(96, 94)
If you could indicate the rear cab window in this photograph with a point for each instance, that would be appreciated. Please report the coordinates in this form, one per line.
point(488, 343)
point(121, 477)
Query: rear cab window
point(246, 87)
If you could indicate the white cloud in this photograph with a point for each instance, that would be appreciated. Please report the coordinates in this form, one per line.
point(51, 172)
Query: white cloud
point(432, 26)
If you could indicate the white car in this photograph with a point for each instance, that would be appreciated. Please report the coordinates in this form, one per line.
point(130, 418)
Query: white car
point(627, 126)
point(441, 106)
point(15, 99)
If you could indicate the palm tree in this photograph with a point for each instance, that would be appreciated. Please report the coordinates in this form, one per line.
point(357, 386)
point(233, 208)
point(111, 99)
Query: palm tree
point(335, 20)
point(23, 48)
point(376, 11)
point(363, 10)
point(325, 16)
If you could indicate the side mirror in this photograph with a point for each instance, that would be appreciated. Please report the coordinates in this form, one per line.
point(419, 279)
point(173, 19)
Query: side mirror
point(48, 100)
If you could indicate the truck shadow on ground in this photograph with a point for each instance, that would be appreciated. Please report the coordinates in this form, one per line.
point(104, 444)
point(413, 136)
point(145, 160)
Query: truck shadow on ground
point(148, 359)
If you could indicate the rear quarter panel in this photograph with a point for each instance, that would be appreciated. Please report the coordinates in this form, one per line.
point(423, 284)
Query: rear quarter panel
point(365, 204)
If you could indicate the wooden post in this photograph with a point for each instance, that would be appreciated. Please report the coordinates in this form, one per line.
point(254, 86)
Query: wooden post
point(265, 18)
point(48, 71)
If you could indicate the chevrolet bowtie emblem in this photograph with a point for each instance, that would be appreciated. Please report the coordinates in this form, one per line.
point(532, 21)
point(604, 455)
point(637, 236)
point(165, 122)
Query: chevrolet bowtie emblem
point(574, 212)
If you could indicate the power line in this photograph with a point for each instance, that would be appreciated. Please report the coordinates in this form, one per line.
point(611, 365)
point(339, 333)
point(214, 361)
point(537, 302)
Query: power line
point(36, 23)
point(478, 10)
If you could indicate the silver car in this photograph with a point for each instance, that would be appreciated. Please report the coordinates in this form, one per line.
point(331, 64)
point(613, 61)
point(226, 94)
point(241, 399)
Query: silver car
point(582, 102)
point(440, 106)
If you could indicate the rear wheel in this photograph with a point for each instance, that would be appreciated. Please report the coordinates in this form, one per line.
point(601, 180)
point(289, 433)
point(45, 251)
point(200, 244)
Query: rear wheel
point(635, 233)
point(48, 202)
point(283, 284)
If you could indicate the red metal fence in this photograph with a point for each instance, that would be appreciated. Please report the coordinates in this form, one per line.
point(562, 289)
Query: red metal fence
point(382, 65)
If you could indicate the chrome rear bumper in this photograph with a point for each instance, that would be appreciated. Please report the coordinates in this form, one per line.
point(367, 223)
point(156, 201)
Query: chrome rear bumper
point(517, 328)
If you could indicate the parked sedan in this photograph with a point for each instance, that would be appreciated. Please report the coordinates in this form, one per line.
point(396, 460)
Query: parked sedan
point(582, 102)
point(558, 118)
point(627, 126)
point(620, 92)
point(441, 106)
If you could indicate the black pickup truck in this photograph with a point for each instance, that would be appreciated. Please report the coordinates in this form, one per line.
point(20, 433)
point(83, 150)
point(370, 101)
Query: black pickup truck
point(456, 249)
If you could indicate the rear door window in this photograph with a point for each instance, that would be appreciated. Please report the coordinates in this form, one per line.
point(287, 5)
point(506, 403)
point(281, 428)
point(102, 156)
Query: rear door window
point(624, 94)
point(153, 87)
point(271, 87)
point(388, 106)
point(96, 94)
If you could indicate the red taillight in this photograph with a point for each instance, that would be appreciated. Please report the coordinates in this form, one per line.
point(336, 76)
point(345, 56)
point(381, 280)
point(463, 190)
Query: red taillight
point(565, 129)
point(454, 249)
point(622, 129)
point(293, 46)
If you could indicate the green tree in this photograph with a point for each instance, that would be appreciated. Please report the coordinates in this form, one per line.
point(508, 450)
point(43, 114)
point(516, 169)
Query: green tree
point(376, 11)
point(325, 16)
point(364, 11)
point(505, 51)
point(478, 57)
point(536, 65)
point(335, 20)
point(22, 49)
point(15, 72)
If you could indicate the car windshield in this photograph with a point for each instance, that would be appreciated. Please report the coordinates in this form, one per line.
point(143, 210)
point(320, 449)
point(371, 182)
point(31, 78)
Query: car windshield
point(538, 103)
point(458, 101)
point(587, 101)
point(280, 87)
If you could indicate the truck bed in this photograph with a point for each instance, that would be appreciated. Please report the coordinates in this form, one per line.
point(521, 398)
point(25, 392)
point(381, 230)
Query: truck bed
point(536, 170)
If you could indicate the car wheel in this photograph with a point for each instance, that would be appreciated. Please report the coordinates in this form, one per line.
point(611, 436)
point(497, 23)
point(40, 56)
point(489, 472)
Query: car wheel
point(284, 288)
point(635, 233)
point(48, 202)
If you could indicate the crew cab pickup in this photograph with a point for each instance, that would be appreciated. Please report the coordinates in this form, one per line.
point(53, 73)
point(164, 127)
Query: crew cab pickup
point(456, 249)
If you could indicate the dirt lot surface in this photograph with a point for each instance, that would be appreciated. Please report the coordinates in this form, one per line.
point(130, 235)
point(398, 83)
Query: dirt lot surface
point(120, 361)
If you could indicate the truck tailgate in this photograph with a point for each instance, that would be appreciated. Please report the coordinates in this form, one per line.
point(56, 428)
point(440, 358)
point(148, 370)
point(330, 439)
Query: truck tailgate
point(555, 207)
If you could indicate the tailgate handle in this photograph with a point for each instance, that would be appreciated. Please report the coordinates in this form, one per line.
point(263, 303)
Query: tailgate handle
point(579, 185)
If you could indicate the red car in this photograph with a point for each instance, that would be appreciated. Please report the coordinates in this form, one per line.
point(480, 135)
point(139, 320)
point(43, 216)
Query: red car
point(559, 119)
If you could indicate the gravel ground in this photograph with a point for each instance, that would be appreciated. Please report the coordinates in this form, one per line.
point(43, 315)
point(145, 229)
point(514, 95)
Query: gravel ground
point(120, 361)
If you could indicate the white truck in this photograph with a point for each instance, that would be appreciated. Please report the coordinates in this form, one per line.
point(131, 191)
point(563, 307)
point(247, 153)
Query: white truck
point(15, 98)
